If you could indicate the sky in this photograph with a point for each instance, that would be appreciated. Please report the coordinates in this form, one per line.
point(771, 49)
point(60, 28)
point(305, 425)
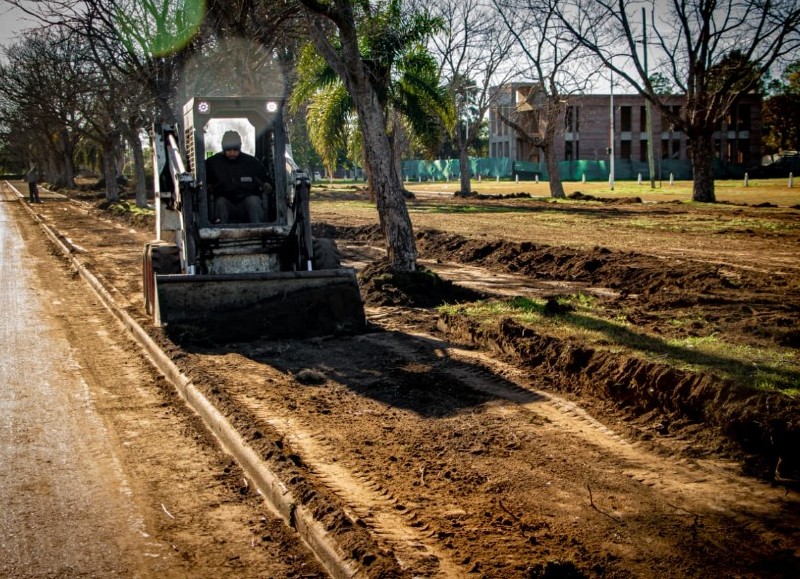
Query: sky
point(13, 23)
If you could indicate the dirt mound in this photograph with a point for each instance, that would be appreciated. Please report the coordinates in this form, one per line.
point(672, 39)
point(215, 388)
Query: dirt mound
point(762, 307)
point(371, 233)
point(668, 298)
point(501, 196)
point(746, 305)
point(764, 427)
point(383, 286)
point(626, 271)
point(578, 196)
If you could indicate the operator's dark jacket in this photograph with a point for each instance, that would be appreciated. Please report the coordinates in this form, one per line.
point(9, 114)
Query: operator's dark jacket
point(235, 179)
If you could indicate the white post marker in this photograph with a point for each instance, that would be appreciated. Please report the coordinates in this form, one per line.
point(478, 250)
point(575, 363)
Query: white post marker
point(746, 180)
point(639, 180)
point(671, 179)
point(537, 178)
point(583, 178)
point(791, 180)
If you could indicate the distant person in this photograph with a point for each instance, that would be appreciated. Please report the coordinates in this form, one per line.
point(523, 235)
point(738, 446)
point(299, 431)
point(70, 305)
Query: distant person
point(33, 184)
point(236, 180)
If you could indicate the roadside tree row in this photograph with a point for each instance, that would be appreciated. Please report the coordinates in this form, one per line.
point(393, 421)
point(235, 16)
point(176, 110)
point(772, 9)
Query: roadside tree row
point(378, 77)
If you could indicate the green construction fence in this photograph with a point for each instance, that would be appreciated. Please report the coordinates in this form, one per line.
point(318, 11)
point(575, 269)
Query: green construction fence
point(505, 168)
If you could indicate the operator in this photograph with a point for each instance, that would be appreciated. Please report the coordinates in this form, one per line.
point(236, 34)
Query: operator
point(236, 180)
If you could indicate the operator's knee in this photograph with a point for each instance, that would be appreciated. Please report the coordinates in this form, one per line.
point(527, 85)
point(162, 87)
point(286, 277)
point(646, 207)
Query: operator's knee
point(222, 210)
point(254, 208)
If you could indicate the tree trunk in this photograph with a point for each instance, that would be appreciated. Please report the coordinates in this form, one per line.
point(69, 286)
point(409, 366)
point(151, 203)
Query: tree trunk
point(138, 166)
point(399, 142)
point(554, 115)
point(370, 186)
point(463, 164)
point(110, 172)
point(68, 144)
point(549, 148)
point(52, 172)
point(392, 211)
point(556, 186)
point(348, 63)
point(141, 177)
point(702, 168)
point(62, 153)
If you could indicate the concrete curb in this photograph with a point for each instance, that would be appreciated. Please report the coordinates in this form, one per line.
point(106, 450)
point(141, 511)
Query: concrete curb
point(277, 495)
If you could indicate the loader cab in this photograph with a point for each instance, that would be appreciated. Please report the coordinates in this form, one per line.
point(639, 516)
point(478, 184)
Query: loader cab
point(259, 122)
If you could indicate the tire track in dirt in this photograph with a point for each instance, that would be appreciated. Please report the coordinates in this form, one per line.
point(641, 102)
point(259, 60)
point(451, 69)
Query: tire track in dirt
point(696, 492)
point(399, 529)
point(693, 483)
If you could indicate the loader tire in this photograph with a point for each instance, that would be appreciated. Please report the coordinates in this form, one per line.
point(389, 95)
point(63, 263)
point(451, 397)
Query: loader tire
point(159, 258)
point(326, 254)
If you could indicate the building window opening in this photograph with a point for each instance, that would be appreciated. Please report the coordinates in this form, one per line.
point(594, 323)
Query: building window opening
point(626, 119)
point(625, 150)
point(743, 119)
point(571, 120)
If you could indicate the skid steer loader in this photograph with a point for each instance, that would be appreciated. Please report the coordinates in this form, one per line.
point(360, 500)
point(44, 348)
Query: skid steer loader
point(205, 280)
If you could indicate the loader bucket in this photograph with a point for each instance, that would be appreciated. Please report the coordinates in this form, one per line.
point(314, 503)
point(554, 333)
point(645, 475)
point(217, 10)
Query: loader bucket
point(244, 307)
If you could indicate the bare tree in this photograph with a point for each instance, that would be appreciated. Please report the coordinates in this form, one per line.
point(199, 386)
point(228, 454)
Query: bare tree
point(712, 50)
point(475, 52)
point(125, 76)
point(560, 70)
point(43, 83)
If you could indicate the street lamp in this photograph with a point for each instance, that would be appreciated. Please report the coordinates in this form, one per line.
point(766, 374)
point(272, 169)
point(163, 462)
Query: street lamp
point(651, 163)
point(611, 130)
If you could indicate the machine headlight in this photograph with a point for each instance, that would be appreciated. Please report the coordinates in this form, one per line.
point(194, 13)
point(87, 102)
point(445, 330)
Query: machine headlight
point(272, 106)
point(203, 107)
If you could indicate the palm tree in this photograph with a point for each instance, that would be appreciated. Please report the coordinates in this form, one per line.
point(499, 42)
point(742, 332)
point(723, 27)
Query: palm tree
point(361, 42)
point(418, 108)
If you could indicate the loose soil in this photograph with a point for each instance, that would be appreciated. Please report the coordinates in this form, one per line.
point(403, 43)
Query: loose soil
point(503, 450)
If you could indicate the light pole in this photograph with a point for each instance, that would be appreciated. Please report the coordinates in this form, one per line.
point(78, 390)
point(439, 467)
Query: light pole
point(611, 131)
point(651, 161)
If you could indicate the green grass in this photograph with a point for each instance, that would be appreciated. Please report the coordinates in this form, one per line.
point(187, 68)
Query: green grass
point(770, 369)
point(700, 225)
point(123, 208)
point(774, 191)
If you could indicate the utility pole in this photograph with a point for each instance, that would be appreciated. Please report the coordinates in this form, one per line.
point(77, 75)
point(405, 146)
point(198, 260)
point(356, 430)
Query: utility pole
point(651, 159)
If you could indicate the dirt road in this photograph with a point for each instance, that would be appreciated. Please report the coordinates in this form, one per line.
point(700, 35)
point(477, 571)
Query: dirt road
point(465, 462)
point(102, 470)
